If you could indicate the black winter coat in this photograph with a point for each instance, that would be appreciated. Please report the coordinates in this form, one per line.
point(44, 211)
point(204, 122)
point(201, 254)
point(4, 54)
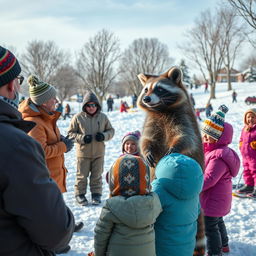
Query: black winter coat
point(34, 219)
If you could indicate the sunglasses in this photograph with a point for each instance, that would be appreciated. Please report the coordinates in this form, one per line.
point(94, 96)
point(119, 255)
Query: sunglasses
point(21, 79)
point(93, 105)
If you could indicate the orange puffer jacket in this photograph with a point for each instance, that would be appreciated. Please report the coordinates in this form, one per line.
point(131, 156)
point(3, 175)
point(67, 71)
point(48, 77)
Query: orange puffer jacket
point(47, 134)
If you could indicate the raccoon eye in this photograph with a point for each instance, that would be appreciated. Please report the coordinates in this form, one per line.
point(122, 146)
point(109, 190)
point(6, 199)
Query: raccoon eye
point(146, 90)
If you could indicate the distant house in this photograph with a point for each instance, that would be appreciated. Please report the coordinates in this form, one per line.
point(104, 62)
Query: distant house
point(235, 76)
point(249, 75)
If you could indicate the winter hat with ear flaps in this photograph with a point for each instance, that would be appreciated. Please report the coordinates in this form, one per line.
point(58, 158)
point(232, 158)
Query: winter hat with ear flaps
point(129, 176)
point(39, 91)
point(214, 125)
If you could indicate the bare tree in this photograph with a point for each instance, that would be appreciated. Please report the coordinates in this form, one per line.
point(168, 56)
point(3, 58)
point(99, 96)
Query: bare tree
point(247, 9)
point(43, 59)
point(144, 55)
point(232, 37)
point(202, 46)
point(96, 63)
point(66, 82)
point(250, 61)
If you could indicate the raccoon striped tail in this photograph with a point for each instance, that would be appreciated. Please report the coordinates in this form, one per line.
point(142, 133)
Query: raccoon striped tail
point(200, 237)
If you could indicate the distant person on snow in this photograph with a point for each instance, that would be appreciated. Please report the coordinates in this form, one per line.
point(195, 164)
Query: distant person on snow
point(34, 219)
point(67, 111)
point(208, 109)
point(247, 146)
point(125, 226)
point(234, 95)
point(123, 106)
point(90, 129)
point(221, 165)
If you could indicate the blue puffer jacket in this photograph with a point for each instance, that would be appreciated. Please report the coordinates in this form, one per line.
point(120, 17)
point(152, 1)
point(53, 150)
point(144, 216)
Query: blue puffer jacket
point(179, 180)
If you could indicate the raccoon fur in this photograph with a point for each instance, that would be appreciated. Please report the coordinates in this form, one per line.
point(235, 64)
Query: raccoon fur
point(170, 126)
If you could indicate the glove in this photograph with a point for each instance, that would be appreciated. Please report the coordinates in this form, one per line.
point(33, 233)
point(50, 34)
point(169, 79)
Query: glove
point(88, 139)
point(99, 136)
point(68, 142)
point(253, 144)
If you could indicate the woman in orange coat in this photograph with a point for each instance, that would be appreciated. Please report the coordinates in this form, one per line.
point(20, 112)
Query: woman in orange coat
point(40, 108)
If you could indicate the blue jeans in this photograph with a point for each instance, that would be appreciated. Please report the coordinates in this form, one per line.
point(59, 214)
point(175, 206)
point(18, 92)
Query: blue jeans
point(216, 234)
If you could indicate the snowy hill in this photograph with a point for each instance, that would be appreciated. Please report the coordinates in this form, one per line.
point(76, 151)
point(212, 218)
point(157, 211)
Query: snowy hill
point(241, 222)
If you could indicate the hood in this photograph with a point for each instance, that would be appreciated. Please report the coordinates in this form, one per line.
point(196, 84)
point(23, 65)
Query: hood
point(180, 175)
point(90, 97)
point(29, 109)
point(230, 157)
point(135, 211)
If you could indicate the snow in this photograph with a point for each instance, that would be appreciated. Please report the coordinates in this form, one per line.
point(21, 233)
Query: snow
point(240, 223)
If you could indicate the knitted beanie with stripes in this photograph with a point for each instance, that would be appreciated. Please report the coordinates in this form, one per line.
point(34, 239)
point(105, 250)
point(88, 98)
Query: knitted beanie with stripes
point(214, 125)
point(9, 66)
point(39, 91)
point(129, 176)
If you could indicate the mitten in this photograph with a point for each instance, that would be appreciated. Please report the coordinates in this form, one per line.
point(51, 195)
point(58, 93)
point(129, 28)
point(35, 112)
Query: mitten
point(87, 138)
point(240, 144)
point(253, 144)
point(99, 136)
point(69, 143)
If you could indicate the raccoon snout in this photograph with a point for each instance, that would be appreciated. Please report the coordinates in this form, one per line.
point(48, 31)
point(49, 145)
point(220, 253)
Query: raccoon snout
point(146, 99)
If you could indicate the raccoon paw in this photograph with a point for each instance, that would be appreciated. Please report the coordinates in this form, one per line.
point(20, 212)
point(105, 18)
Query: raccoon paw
point(150, 160)
point(170, 151)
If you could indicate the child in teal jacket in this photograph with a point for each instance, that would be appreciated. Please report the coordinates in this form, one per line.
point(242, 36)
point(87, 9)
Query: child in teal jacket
point(179, 180)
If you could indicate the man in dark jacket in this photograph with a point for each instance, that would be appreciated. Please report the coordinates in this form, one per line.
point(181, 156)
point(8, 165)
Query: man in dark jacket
point(34, 219)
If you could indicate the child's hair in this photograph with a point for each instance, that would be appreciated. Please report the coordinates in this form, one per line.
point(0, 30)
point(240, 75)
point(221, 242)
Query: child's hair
point(129, 176)
point(134, 136)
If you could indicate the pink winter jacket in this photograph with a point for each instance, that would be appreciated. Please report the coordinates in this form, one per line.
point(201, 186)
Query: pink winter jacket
point(221, 164)
point(248, 153)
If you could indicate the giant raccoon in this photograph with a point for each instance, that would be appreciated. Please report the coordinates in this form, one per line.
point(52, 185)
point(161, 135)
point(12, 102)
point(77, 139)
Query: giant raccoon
point(170, 126)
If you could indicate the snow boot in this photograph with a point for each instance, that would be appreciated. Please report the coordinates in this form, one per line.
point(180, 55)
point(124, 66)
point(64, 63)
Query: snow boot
point(81, 199)
point(246, 189)
point(253, 194)
point(78, 226)
point(225, 249)
point(96, 198)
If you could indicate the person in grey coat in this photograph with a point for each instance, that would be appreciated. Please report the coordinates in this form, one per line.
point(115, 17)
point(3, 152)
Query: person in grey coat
point(125, 226)
point(34, 220)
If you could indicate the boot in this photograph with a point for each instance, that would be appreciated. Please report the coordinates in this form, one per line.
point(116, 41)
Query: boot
point(96, 198)
point(246, 189)
point(225, 249)
point(81, 199)
point(78, 226)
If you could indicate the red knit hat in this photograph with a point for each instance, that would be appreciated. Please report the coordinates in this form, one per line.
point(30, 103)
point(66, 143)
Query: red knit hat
point(129, 176)
point(9, 66)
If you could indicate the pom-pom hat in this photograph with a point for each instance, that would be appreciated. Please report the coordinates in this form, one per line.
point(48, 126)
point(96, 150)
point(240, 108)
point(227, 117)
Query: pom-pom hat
point(214, 125)
point(134, 136)
point(39, 91)
point(129, 176)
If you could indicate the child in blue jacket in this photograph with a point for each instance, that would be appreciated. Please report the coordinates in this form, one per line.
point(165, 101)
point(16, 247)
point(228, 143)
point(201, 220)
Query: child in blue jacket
point(179, 180)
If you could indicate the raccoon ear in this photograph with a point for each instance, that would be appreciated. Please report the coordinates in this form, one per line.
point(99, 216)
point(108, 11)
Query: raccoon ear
point(175, 74)
point(143, 78)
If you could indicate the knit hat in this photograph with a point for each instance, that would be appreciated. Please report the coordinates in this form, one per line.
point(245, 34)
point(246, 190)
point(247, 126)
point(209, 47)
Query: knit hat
point(39, 91)
point(251, 110)
point(9, 66)
point(134, 136)
point(129, 176)
point(214, 125)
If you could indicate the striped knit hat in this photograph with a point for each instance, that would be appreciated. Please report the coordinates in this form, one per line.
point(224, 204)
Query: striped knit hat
point(39, 91)
point(214, 125)
point(9, 66)
point(129, 176)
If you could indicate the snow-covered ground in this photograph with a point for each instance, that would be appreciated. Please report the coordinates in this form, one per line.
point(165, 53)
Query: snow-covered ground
point(241, 222)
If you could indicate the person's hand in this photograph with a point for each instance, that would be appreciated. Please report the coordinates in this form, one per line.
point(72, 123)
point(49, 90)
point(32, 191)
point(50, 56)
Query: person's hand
point(99, 136)
point(68, 142)
point(88, 139)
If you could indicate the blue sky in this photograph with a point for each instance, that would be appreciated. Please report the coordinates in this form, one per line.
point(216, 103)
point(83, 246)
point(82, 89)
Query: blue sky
point(71, 22)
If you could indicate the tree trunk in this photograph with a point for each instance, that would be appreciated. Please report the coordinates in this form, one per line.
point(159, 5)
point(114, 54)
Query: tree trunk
point(229, 79)
point(212, 92)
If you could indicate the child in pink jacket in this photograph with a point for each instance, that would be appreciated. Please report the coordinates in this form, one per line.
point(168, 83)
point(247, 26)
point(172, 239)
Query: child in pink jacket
point(247, 147)
point(221, 165)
